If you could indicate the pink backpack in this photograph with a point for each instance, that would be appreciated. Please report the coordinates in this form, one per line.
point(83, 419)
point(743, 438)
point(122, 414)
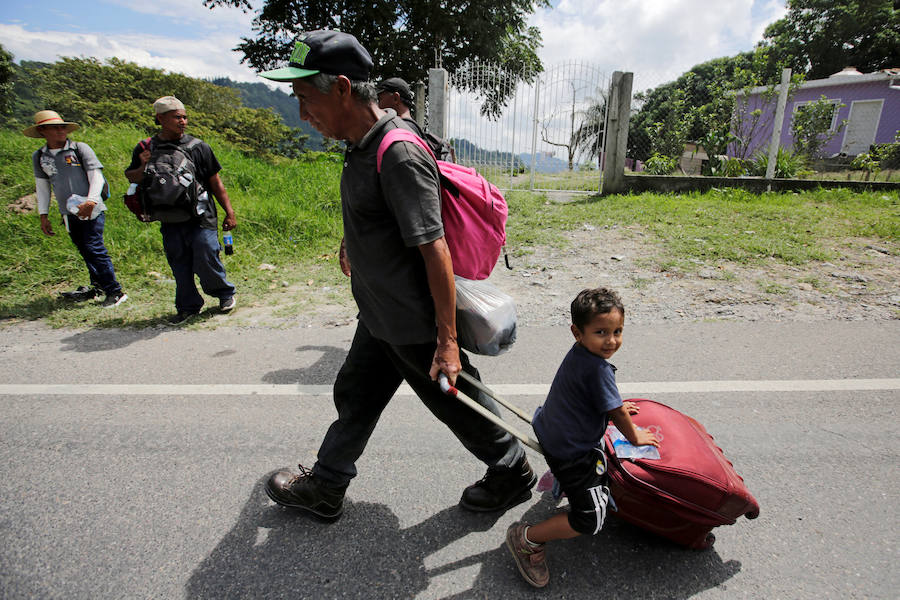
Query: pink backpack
point(473, 210)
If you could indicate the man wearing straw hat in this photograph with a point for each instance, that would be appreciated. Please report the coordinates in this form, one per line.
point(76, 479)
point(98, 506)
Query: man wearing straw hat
point(75, 175)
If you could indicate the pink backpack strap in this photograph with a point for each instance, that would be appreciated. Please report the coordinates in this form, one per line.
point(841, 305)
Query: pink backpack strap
point(396, 135)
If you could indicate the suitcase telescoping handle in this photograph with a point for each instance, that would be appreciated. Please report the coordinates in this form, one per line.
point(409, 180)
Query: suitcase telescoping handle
point(452, 391)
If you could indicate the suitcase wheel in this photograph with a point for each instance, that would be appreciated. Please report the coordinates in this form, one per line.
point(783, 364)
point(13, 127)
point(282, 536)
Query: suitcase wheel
point(706, 543)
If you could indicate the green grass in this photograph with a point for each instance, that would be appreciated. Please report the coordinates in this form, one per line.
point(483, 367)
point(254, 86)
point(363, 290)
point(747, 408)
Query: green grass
point(289, 216)
point(729, 225)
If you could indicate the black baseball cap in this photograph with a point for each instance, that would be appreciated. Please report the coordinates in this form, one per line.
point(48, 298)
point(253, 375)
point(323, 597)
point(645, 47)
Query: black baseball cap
point(395, 84)
point(325, 51)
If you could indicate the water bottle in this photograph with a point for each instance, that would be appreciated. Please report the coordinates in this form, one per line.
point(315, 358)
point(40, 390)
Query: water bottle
point(228, 242)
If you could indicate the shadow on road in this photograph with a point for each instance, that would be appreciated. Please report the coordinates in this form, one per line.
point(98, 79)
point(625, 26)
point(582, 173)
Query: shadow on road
point(322, 372)
point(100, 339)
point(273, 552)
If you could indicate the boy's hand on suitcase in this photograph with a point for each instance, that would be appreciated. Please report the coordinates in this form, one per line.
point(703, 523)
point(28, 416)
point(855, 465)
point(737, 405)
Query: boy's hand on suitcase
point(631, 407)
point(646, 438)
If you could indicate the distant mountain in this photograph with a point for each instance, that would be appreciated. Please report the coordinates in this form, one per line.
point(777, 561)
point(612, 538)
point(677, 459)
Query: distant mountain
point(469, 153)
point(544, 162)
point(259, 95)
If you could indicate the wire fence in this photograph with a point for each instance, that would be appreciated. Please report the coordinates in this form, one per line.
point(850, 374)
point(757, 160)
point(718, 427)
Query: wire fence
point(543, 132)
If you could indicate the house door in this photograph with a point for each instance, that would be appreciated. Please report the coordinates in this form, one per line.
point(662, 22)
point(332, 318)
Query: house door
point(861, 126)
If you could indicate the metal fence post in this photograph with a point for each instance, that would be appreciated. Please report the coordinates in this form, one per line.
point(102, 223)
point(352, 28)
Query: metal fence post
point(535, 125)
point(775, 142)
point(616, 139)
point(437, 102)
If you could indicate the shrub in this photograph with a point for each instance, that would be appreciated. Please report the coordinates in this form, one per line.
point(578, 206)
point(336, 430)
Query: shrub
point(787, 164)
point(660, 165)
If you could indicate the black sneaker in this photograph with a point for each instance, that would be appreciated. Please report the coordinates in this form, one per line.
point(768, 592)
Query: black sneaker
point(227, 304)
point(81, 294)
point(182, 316)
point(500, 488)
point(112, 300)
point(306, 492)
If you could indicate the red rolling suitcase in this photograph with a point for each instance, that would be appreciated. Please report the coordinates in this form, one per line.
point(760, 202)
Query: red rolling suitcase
point(689, 490)
point(682, 496)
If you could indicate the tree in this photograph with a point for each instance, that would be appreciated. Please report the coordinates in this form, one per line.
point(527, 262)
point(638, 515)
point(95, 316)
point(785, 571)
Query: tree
point(405, 37)
point(7, 72)
point(820, 37)
point(811, 126)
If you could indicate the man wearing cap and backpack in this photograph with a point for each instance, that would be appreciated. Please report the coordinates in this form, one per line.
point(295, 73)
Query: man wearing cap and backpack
point(394, 92)
point(400, 270)
point(75, 175)
point(175, 174)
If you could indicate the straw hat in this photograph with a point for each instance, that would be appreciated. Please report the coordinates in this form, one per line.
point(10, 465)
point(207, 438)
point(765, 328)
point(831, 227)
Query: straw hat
point(48, 117)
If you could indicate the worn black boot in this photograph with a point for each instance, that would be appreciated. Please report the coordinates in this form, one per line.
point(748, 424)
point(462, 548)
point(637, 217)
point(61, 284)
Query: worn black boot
point(500, 488)
point(306, 492)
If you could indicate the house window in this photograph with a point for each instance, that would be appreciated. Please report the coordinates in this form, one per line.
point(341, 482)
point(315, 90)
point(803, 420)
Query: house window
point(833, 117)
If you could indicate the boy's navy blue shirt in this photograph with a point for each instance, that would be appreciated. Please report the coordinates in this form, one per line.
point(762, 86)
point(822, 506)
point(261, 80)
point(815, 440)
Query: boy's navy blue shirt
point(573, 419)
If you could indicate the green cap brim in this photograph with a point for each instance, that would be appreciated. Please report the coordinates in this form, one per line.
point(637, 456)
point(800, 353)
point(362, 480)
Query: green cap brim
point(288, 73)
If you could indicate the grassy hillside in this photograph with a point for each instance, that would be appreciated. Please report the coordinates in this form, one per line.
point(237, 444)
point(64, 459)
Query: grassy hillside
point(289, 228)
point(288, 216)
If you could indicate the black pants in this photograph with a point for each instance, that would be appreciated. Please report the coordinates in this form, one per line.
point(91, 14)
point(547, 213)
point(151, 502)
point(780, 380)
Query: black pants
point(368, 379)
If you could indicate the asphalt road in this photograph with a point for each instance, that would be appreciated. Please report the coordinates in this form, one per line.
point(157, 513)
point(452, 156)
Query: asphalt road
point(131, 466)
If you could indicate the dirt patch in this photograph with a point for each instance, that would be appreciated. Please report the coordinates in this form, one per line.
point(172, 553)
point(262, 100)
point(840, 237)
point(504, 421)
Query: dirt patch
point(860, 285)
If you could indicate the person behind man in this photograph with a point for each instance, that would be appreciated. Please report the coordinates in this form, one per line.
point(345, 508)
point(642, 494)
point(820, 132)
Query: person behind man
point(191, 242)
point(71, 168)
point(394, 93)
point(402, 281)
point(570, 427)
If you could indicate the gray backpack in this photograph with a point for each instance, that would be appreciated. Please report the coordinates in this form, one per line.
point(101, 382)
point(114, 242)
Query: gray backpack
point(170, 189)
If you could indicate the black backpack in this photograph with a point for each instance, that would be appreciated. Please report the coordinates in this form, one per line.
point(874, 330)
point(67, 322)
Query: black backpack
point(170, 190)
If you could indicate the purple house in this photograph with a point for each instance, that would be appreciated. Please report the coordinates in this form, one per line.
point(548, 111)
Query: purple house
point(869, 103)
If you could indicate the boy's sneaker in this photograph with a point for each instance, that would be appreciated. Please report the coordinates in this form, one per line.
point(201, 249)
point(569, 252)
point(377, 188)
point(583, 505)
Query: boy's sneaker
point(306, 492)
point(226, 304)
point(181, 316)
point(531, 560)
point(500, 488)
point(114, 300)
point(81, 294)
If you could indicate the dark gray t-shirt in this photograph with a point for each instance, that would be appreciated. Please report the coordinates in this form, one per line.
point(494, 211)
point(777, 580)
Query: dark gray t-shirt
point(66, 173)
point(386, 217)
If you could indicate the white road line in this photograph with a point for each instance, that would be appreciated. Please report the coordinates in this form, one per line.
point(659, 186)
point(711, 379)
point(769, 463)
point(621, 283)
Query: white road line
point(503, 389)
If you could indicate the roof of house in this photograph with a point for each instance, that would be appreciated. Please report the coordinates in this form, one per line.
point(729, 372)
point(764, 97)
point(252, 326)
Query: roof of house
point(847, 76)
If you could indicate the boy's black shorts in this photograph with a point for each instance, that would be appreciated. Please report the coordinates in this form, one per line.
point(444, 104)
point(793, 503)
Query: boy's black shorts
point(585, 482)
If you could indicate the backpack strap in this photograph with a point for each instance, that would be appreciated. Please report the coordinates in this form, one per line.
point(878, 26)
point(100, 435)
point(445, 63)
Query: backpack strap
point(396, 135)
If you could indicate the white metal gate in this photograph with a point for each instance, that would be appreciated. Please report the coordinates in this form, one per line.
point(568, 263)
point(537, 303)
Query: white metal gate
point(547, 136)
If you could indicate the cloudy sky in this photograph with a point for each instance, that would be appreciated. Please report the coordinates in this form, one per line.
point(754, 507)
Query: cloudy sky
point(657, 38)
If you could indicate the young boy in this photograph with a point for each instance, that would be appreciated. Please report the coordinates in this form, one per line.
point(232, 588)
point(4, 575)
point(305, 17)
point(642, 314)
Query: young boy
point(71, 168)
point(570, 427)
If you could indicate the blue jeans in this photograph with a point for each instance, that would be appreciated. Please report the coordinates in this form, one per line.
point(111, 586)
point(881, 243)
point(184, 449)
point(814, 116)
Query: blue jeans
point(368, 379)
point(192, 250)
point(88, 238)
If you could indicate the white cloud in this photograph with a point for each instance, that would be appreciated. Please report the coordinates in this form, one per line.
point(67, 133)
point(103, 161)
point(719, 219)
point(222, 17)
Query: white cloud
point(193, 13)
point(657, 40)
point(206, 56)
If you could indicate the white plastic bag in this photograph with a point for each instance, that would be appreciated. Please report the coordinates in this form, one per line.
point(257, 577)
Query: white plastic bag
point(485, 317)
point(75, 201)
